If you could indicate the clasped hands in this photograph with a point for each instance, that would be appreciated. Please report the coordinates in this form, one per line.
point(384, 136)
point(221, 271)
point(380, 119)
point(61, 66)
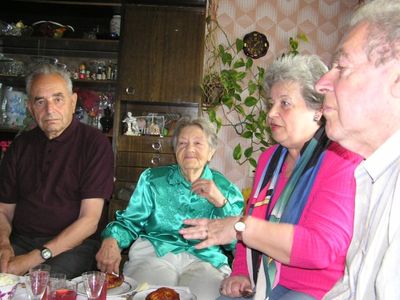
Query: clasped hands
point(18, 265)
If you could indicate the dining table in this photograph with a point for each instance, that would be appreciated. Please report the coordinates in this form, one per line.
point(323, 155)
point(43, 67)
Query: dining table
point(129, 290)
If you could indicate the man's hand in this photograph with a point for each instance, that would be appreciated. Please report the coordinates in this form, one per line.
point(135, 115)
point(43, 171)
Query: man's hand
point(212, 232)
point(19, 265)
point(6, 250)
point(6, 254)
point(109, 256)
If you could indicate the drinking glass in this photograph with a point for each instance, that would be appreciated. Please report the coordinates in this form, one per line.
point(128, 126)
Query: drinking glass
point(56, 281)
point(93, 282)
point(68, 291)
point(36, 281)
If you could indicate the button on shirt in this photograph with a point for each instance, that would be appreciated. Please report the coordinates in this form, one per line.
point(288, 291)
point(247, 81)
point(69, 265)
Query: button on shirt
point(373, 259)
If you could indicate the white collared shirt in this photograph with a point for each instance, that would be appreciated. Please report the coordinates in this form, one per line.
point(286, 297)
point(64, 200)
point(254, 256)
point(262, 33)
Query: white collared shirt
point(373, 260)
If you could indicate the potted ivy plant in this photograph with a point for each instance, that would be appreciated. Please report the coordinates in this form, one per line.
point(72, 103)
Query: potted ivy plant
point(236, 90)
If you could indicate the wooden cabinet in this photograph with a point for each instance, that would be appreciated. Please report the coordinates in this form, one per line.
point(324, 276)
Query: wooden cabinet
point(162, 53)
point(36, 43)
point(160, 70)
point(140, 152)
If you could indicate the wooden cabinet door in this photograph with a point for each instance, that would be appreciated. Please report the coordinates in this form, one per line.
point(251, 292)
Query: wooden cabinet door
point(161, 54)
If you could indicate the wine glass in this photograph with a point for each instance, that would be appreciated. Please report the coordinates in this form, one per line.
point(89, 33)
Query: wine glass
point(36, 281)
point(93, 281)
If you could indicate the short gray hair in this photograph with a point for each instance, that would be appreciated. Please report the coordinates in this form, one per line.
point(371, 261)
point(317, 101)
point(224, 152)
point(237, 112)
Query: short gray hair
point(47, 69)
point(303, 69)
point(204, 124)
point(383, 20)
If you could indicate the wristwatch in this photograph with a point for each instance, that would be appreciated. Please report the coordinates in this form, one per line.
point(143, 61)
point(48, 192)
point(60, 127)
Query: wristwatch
point(240, 227)
point(45, 253)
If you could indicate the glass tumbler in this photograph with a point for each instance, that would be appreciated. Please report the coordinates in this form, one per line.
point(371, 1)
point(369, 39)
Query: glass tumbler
point(68, 291)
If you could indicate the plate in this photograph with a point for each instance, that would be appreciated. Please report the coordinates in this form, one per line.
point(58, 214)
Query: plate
point(127, 287)
point(20, 293)
point(183, 294)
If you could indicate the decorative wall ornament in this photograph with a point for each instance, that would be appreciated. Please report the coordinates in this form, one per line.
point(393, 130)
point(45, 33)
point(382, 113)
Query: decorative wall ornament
point(255, 44)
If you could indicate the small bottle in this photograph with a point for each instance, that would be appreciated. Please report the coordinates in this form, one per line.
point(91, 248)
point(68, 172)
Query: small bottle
point(109, 70)
point(115, 24)
point(98, 74)
point(82, 71)
point(2, 106)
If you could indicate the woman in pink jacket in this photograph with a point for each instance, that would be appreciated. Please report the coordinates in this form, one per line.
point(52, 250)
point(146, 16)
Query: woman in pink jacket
point(299, 219)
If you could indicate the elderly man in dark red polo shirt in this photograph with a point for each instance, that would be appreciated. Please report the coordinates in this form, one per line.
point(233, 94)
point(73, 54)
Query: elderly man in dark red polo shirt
point(53, 183)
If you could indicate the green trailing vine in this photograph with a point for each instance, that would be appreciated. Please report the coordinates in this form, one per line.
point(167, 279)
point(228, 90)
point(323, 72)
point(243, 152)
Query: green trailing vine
point(237, 91)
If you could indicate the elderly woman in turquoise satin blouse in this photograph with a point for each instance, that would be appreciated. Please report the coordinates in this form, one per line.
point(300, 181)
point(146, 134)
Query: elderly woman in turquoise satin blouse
point(164, 197)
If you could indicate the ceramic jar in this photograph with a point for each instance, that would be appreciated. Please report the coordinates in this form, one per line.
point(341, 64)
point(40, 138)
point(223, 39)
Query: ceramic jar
point(115, 24)
point(15, 107)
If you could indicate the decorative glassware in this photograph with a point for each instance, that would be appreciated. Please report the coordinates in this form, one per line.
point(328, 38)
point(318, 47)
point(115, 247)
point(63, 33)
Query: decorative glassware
point(63, 290)
point(93, 281)
point(36, 281)
point(56, 281)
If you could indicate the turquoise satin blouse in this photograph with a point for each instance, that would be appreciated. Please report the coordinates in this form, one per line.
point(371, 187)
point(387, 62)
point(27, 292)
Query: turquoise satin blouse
point(161, 201)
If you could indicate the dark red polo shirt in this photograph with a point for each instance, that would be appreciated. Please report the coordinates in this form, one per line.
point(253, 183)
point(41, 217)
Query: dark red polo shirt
point(47, 179)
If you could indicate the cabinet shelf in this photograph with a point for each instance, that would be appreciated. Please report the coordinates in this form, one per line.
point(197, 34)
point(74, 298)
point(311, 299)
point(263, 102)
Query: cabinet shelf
point(19, 81)
point(9, 129)
point(77, 2)
point(59, 47)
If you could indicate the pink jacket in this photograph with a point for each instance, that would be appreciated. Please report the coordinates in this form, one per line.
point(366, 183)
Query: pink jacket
point(324, 231)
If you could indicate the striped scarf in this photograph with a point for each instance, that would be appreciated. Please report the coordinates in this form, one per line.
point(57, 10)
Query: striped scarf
point(289, 207)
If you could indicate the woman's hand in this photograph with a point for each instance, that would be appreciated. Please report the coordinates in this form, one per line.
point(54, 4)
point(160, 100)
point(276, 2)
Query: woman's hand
point(235, 286)
point(208, 189)
point(213, 232)
point(109, 256)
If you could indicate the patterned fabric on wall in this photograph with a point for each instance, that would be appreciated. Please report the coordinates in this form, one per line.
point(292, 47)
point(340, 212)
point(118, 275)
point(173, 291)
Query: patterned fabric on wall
point(323, 21)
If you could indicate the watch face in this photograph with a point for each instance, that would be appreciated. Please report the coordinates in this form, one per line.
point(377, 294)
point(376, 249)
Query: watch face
point(240, 226)
point(46, 253)
point(255, 44)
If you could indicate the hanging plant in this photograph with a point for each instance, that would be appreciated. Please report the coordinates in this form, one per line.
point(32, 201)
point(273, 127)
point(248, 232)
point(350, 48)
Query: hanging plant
point(234, 87)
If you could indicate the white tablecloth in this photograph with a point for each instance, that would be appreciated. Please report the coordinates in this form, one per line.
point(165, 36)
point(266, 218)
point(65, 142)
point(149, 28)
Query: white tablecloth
point(21, 294)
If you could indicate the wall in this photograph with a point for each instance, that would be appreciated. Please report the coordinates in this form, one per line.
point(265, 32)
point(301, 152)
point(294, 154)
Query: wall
point(323, 21)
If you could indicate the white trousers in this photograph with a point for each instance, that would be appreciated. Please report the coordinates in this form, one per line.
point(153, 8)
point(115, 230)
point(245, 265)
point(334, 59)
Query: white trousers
point(183, 269)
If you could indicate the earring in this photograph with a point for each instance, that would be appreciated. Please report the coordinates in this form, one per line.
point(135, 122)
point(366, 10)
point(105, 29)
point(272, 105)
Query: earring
point(316, 117)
